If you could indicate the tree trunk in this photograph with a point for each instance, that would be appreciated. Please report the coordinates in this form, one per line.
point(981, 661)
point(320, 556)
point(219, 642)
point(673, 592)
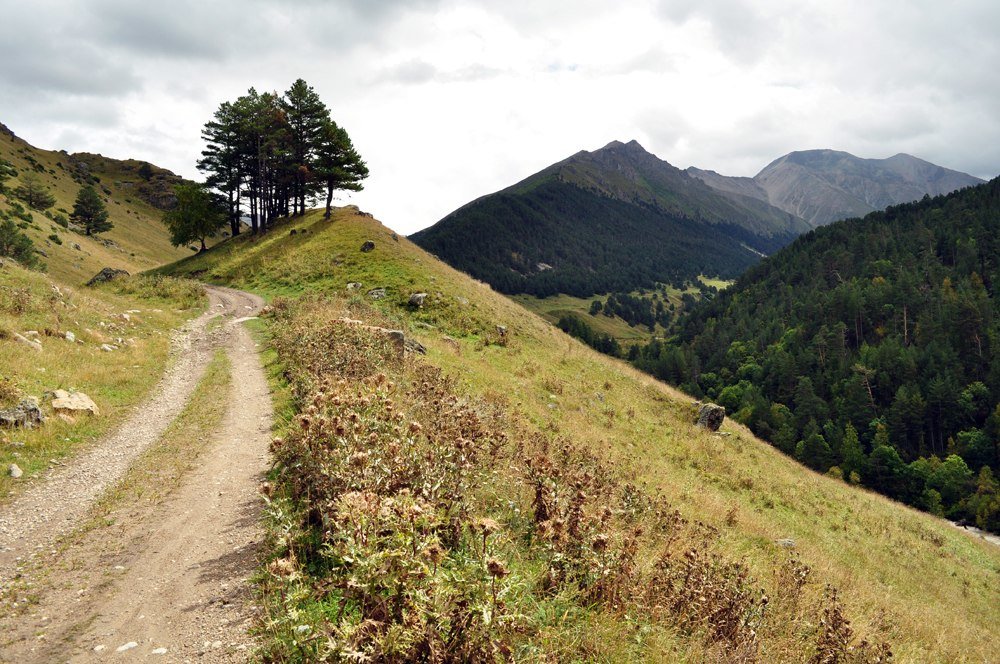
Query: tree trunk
point(329, 198)
point(203, 247)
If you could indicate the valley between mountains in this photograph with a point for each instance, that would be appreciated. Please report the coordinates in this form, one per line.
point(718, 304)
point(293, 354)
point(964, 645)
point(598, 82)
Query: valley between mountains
point(318, 441)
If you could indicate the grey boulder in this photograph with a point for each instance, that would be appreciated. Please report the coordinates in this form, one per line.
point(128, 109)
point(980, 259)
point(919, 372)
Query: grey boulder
point(711, 416)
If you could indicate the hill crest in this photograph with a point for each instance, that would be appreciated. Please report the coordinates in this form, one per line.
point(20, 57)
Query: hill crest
point(135, 198)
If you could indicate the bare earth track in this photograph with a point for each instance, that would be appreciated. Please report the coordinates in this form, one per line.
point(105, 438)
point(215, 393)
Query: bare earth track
point(171, 583)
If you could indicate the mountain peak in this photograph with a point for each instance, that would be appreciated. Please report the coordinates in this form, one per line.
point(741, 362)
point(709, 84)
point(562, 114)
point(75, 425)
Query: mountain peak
point(825, 185)
point(631, 146)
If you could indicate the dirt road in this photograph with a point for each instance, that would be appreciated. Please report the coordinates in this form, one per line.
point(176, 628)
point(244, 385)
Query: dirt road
point(172, 582)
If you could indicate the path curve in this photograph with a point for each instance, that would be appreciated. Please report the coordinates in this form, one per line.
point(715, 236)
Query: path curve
point(184, 587)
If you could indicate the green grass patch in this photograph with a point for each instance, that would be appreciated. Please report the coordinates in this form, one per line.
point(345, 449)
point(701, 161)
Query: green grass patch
point(160, 468)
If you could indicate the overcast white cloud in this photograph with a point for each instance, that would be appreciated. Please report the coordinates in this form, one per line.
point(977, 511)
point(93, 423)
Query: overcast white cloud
point(449, 100)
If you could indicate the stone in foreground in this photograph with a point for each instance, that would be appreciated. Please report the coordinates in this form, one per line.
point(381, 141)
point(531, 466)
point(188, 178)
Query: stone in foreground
point(73, 404)
point(26, 415)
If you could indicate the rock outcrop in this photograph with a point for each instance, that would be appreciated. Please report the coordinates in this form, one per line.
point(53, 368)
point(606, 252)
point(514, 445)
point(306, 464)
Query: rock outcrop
point(711, 416)
point(106, 274)
point(25, 415)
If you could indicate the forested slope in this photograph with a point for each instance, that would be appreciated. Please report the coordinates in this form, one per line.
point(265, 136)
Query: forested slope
point(615, 219)
point(135, 194)
point(871, 345)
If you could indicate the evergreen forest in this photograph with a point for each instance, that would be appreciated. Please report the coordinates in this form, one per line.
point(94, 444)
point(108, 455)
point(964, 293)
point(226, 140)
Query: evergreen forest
point(868, 349)
point(557, 237)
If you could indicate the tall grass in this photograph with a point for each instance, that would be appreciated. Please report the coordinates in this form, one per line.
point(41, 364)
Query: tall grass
point(904, 577)
point(412, 522)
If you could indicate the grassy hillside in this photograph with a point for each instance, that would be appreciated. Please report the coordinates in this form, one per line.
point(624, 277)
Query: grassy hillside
point(138, 241)
point(135, 315)
point(554, 307)
point(567, 432)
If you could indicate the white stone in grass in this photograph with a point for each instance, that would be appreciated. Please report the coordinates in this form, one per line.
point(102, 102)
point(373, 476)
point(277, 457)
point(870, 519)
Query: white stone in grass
point(127, 646)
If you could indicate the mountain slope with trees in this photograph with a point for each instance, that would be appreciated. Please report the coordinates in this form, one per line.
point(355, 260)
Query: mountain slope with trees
point(39, 192)
point(869, 348)
point(614, 219)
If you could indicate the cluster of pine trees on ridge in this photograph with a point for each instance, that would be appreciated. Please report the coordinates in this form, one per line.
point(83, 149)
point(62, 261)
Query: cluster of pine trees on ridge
point(268, 154)
point(868, 349)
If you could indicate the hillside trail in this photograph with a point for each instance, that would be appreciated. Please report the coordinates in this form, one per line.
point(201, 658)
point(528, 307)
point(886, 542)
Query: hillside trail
point(168, 581)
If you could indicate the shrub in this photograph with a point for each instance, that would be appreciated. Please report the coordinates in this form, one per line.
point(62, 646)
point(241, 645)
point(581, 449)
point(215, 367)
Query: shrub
point(15, 244)
point(413, 524)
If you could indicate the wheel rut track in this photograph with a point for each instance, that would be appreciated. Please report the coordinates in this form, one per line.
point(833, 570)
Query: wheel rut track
point(181, 581)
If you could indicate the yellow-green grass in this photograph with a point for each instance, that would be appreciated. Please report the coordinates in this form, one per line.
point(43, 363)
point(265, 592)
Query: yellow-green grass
point(554, 307)
point(929, 589)
point(160, 468)
point(115, 380)
point(141, 239)
point(721, 284)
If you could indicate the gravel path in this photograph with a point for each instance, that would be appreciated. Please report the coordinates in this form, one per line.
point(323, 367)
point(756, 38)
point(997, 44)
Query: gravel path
point(179, 591)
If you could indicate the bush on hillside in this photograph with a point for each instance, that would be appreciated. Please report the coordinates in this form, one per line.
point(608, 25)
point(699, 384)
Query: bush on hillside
point(414, 524)
point(15, 244)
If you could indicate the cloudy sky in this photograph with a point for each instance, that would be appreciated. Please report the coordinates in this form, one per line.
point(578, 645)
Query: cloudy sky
point(449, 100)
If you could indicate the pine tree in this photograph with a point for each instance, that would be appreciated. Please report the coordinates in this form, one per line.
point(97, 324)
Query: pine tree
point(307, 117)
point(15, 244)
point(34, 193)
point(340, 165)
point(853, 457)
point(276, 152)
point(90, 213)
point(813, 449)
point(197, 216)
point(221, 160)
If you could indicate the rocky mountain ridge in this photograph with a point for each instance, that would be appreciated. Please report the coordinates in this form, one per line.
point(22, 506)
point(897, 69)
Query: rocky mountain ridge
point(822, 186)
